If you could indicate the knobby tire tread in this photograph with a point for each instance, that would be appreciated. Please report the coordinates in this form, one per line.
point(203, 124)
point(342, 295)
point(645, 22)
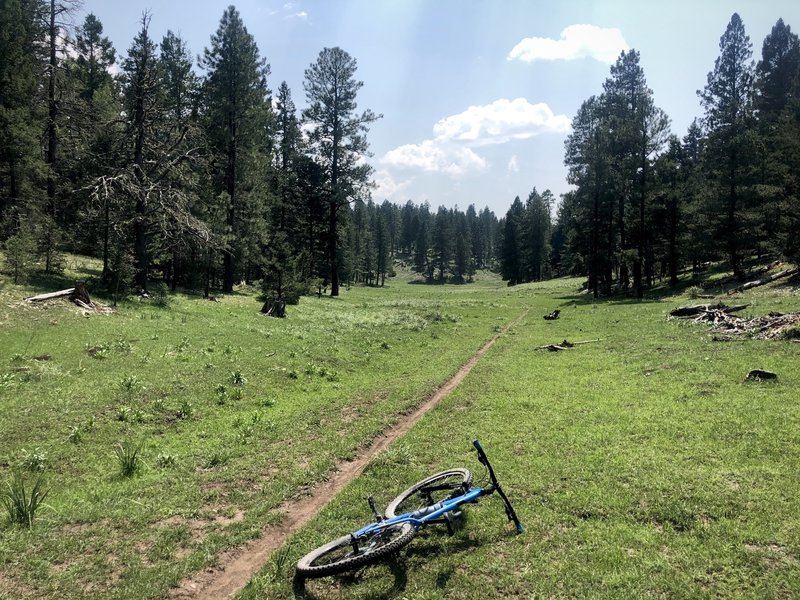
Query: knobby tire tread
point(465, 474)
point(306, 569)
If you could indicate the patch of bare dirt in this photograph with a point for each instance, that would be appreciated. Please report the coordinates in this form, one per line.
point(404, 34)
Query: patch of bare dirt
point(234, 569)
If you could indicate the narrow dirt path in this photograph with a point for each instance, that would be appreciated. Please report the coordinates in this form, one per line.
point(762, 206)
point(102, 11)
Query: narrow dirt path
point(235, 568)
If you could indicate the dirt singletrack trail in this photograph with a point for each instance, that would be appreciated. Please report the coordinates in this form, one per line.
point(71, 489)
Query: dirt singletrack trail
point(233, 569)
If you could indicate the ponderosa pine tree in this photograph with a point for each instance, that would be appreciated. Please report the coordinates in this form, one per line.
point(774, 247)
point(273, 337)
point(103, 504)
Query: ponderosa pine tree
point(778, 104)
point(730, 146)
point(21, 120)
point(587, 160)
point(337, 138)
point(95, 57)
point(140, 70)
point(638, 131)
point(94, 117)
point(236, 115)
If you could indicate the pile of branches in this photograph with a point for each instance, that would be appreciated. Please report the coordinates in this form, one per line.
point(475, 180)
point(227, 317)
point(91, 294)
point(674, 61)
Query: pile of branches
point(772, 326)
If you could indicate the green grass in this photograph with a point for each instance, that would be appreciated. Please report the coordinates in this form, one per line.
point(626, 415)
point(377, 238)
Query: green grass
point(642, 465)
point(250, 411)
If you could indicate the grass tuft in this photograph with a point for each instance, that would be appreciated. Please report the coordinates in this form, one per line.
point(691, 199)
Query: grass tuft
point(22, 503)
point(129, 457)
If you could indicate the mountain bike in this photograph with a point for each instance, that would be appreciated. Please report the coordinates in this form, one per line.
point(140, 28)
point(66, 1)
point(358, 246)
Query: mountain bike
point(439, 498)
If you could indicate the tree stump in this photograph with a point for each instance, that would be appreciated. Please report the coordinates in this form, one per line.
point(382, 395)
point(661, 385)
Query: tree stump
point(276, 308)
point(81, 295)
point(761, 375)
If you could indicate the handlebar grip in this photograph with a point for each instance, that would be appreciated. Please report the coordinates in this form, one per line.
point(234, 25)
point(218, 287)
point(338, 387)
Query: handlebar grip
point(481, 454)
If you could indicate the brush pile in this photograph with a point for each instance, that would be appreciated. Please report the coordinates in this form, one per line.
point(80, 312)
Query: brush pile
point(772, 326)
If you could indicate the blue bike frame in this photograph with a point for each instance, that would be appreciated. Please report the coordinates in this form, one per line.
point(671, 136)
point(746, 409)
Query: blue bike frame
point(429, 514)
point(421, 517)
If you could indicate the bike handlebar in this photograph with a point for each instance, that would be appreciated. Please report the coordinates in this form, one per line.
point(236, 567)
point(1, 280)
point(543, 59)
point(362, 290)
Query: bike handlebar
point(484, 460)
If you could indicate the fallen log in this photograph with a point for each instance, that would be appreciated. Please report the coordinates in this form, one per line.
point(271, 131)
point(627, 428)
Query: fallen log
point(42, 297)
point(764, 280)
point(554, 348)
point(566, 345)
point(703, 309)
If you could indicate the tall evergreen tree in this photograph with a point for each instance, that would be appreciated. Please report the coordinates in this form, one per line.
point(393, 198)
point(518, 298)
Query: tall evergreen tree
point(338, 138)
point(637, 132)
point(21, 118)
point(729, 120)
point(236, 113)
point(95, 56)
point(778, 104)
point(141, 97)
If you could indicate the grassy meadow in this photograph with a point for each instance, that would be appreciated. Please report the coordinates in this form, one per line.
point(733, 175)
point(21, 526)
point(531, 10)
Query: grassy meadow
point(642, 465)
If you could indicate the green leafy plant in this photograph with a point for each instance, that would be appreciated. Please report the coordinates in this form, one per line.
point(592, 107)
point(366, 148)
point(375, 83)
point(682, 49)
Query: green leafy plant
point(33, 461)
point(130, 383)
point(166, 461)
point(216, 459)
point(21, 503)
point(185, 410)
point(75, 435)
point(6, 380)
point(124, 413)
point(237, 378)
point(129, 457)
point(98, 351)
point(222, 394)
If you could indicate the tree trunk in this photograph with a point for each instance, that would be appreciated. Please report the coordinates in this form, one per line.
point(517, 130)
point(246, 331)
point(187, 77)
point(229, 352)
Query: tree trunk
point(673, 244)
point(228, 260)
point(52, 114)
point(332, 257)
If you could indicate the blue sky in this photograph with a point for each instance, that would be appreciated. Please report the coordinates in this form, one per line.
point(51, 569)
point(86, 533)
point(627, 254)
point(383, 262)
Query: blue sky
point(477, 96)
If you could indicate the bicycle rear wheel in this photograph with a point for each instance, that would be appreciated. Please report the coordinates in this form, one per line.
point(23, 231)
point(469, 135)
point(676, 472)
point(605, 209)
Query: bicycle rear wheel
point(430, 490)
point(340, 556)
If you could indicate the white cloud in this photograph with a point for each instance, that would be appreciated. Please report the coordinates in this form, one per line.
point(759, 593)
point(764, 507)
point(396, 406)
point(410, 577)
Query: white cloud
point(577, 41)
point(450, 152)
point(501, 121)
point(513, 165)
point(437, 156)
point(387, 187)
point(301, 15)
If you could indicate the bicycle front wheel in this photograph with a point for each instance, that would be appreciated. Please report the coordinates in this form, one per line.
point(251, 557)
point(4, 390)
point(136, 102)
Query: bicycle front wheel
point(340, 555)
point(441, 486)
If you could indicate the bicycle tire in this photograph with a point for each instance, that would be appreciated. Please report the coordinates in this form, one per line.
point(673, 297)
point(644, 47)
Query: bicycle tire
point(446, 484)
point(337, 556)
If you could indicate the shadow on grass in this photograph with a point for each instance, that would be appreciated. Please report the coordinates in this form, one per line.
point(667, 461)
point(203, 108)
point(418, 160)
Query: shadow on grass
point(422, 549)
point(396, 567)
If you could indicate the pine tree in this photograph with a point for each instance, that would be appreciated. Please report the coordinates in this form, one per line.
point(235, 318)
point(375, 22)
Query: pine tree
point(729, 121)
point(236, 112)
point(96, 56)
point(638, 131)
point(21, 118)
point(141, 97)
point(338, 138)
point(778, 104)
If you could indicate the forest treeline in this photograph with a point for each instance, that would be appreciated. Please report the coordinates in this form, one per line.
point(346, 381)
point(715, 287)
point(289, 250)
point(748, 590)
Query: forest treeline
point(204, 178)
point(200, 181)
point(646, 203)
